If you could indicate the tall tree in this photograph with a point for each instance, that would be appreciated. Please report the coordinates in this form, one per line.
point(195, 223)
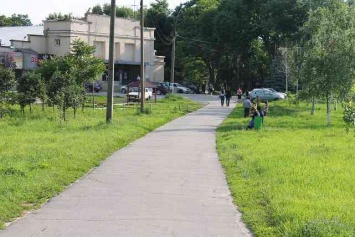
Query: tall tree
point(159, 17)
point(189, 22)
point(7, 82)
point(15, 20)
point(97, 9)
point(124, 12)
point(29, 87)
point(327, 59)
point(84, 64)
point(66, 76)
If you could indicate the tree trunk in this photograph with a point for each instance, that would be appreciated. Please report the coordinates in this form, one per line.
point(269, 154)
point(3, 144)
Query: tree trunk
point(64, 113)
point(93, 101)
point(313, 105)
point(2, 112)
point(228, 80)
point(262, 75)
point(84, 99)
point(328, 110)
point(211, 73)
point(335, 105)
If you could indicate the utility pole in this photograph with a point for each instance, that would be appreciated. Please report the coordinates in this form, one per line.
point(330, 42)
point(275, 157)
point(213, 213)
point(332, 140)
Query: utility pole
point(172, 70)
point(134, 9)
point(142, 60)
point(111, 65)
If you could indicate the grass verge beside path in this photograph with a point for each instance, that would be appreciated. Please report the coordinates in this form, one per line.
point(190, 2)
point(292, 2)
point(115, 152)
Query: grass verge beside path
point(41, 155)
point(294, 177)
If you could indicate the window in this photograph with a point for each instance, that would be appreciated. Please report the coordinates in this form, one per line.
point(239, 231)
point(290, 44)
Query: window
point(117, 51)
point(56, 42)
point(128, 53)
point(99, 49)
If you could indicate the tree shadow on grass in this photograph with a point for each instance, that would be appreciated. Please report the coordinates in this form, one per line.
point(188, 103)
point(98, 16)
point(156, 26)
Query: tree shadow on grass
point(275, 122)
point(230, 126)
point(95, 126)
point(278, 111)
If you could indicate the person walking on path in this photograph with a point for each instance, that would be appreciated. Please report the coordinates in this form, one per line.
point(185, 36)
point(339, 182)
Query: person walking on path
point(228, 96)
point(239, 94)
point(266, 108)
point(222, 96)
point(211, 89)
point(247, 106)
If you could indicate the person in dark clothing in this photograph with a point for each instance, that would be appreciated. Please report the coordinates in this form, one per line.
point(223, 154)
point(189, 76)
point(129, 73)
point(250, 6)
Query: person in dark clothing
point(247, 105)
point(253, 113)
point(222, 96)
point(228, 96)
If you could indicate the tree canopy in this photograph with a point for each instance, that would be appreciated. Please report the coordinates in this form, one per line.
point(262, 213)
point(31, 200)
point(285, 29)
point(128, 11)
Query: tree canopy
point(326, 62)
point(15, 20)
point(105, 9)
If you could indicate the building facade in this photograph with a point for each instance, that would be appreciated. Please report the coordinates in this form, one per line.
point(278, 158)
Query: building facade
point(95, 30)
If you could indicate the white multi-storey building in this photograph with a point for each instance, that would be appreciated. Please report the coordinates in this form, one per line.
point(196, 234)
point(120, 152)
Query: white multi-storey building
point(95, 30)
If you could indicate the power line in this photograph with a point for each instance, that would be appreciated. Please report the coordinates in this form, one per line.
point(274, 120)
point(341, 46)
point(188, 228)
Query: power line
point(197, 40)
point(161, 35)
point(163, 40)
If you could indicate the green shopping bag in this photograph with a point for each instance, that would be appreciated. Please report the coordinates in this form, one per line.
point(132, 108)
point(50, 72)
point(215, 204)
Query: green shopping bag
point(258, 122)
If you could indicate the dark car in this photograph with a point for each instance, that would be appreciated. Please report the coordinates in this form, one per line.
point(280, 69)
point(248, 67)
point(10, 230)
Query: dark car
point(194, 89)
point(161, 88)
point(90, 87)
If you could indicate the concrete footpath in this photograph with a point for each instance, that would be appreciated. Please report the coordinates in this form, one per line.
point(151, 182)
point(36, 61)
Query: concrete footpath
point(168, 183)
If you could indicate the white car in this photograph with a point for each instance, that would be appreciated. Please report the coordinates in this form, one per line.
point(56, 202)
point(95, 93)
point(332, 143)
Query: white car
point(176, 87)
point(135, 95)
point(123, 89)
point(281, 93)
point(265, 94)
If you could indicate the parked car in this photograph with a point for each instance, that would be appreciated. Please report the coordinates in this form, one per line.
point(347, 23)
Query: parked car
point(135, 94)
point(150, 91)
point(123, 89)
point(161, 88)
point(281, 93)
point(90, 87)
point(265, 94)
point(176, 87)
point(194, 89)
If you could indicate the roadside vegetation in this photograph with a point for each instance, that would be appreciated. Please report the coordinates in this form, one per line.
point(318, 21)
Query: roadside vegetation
point(40, 154)
point(295, 176)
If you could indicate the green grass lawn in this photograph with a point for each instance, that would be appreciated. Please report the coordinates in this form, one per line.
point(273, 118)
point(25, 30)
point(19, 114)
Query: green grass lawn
point(295, 176)
point(40, 155)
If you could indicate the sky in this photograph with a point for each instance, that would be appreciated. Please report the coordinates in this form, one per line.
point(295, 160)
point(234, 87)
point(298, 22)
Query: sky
point(38, 10)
